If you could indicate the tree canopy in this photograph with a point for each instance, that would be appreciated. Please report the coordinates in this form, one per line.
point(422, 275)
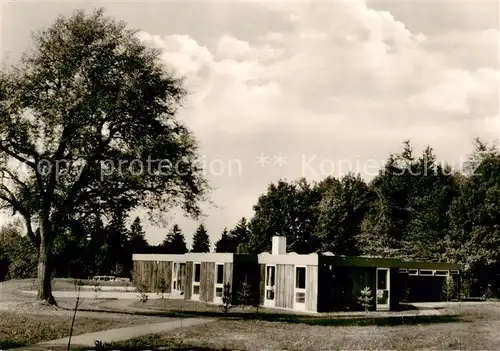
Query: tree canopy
point(88, 123)
point(201, 240)
point(174, 242)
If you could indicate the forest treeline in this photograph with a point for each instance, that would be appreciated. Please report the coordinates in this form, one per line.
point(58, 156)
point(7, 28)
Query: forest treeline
point(416, 208)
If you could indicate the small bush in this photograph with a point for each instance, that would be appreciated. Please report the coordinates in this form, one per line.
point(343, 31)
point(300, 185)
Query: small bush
point(142, 290)
point(487, 292)
point(448, 289)
point(162, 287)
point(407, 295)
point(96, 287)
point(99, 345)
point(465, 288)
point(227, 298)
point(244, 294)
point(366, 298)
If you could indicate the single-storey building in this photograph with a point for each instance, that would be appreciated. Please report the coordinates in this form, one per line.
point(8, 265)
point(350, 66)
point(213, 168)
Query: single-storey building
point(318, 282)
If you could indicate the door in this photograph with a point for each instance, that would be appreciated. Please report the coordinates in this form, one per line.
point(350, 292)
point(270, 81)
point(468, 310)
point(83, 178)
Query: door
point(195, 295)
point(269, 292)
point(219, 283)
point(178, 274)
point(300, 288)
point(383, 289)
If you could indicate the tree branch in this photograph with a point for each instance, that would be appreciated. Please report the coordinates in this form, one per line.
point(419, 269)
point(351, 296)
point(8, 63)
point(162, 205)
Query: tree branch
point(17, 206)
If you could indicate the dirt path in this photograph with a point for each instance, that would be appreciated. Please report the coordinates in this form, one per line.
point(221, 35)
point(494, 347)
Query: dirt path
point(121, 334)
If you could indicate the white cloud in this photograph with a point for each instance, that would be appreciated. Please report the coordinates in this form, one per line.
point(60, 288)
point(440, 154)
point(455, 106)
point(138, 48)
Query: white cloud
point(345, 81)
point(337, 79)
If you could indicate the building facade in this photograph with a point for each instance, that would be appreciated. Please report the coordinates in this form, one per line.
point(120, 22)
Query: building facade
point(318, 282)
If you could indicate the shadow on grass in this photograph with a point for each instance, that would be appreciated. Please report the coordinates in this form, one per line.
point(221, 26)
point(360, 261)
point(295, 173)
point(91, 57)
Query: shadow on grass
point(146, 346)
point(10, 344)
point(352, 320)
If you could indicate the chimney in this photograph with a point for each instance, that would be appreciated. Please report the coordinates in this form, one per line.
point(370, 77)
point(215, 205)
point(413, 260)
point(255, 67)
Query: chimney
point(279, 245)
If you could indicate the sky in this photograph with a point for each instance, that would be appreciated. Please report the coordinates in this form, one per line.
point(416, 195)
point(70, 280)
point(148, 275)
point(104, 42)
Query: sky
point(307, 89)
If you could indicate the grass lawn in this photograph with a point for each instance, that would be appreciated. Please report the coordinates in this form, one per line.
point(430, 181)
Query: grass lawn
point(18, 330)
point(67, 284)
point(469, 327)
point(199, 309)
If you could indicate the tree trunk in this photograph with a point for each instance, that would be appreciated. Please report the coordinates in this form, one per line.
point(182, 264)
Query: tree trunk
point(45, 270)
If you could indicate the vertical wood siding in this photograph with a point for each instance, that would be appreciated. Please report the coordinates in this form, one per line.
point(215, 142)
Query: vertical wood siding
point(312, 288)
point(188, 283)
point(285, 285)
point(228, 276)
point(228, 273)
point(262, 286)
point(395, 288)
point(150, 273)
point(207, 284)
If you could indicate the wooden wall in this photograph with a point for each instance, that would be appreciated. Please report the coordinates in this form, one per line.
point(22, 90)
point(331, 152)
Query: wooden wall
point(188, 283)
point(251, 273)
point(312, 288)
point(150, 273)
point(207, 281)
point(285, 285)
point(228, 274)
point(262, 283)
point(340, 287)
point(395, 288)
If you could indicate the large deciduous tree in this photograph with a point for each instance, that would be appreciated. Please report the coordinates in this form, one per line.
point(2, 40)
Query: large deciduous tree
point(341, 211)
point(287, 209)
point(474, 238)
point(85, 119)
point(409, 217)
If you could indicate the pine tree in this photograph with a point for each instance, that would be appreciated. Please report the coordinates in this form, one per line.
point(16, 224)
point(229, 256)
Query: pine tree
point(137, 237)
point(240, 236)
point(225, 243)
point(136, 243)
point(116, 242)
point(366, 299)
point(201, 241)
point(174, 243)
point(244, 294)
point(448, 288)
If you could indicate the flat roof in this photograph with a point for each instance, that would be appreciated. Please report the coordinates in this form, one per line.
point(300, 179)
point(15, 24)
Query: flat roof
point(313, 259)
point(360, 261)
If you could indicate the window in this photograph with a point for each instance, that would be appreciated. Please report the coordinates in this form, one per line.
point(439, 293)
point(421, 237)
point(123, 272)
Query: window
point(382, 279)
point(300, 297)
point(219, 282)
point(300, 278)
point(403, 271)
point(300, 287)
point(196, 280)
point(441, 273)
point(413, 272)
point(454, 271)
point(175, 274)
point(425, 272)
point(270, 285)
point(270, 275)
point(197, 272)
point(220, 274)
point(178, 273)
